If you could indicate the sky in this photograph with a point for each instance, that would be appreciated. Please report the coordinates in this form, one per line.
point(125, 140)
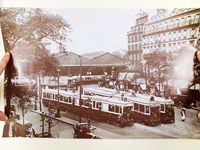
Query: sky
point(98, 29)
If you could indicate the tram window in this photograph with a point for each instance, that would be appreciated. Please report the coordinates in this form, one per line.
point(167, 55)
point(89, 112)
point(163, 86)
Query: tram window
point(142, 108)
point(51, 96)
point(56, 97)
point(73, 101)
point(147, 109)
point(48, 95)
point(111, 108)
point(99, 105)
point(70, 100)
point(44, 95)
point(117, 109)
point(65, 99)
point(162, 107)
point(136, 106)
point(61, 98)
point(94, 104)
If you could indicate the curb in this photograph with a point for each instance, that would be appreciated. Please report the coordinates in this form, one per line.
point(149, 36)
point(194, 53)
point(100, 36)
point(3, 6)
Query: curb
point(62, 119)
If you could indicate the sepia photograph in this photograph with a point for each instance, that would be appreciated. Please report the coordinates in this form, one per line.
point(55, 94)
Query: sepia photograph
point(102, 73)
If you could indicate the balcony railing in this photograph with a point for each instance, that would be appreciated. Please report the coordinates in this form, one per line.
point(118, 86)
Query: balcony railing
point(173, 26)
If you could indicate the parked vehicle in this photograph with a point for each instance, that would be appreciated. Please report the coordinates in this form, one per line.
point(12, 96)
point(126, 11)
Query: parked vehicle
point(85, 130)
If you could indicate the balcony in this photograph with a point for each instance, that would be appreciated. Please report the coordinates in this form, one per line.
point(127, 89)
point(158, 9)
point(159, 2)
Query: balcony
point(173, 26)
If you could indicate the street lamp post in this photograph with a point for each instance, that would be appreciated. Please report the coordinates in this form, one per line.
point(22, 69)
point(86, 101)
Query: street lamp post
point(58, 97)
point(145, 73)
point(36, 89)
point(80, 87)
point(40, 92)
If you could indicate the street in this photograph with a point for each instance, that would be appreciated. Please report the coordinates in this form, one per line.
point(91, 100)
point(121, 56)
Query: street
point(63, 127)
point(190, 129)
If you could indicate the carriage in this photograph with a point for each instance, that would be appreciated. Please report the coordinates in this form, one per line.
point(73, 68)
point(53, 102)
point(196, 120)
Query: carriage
point(166, 105)
point(143, 110)
point(110, 110)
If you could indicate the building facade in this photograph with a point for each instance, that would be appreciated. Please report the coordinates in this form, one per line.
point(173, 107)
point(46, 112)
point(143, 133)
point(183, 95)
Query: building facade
point(170, 31)
point(135, 38)
point(166, 31)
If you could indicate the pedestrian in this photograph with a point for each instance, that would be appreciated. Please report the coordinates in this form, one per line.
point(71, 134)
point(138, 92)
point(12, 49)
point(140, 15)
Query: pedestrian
point(3, 64)
point(183, 114)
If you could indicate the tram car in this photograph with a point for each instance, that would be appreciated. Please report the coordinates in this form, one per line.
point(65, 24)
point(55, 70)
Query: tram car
point(166, 105)
point(166, 108)
point(90, 79)
point(111, 110)
point(144, 111)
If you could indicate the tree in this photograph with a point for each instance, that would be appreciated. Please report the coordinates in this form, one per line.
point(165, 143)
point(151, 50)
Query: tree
point(157, 63)
point(33, 26)
point(25, 33)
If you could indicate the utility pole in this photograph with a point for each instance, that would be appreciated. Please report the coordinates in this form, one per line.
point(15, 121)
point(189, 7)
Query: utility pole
point(80, 88)
point(50, 122)
point(58, 97)
point(36, 95)
point(40, 93)
point(42, 123)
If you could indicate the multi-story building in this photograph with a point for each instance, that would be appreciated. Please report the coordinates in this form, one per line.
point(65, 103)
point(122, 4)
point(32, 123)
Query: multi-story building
point(135, 37)
point(168, 31)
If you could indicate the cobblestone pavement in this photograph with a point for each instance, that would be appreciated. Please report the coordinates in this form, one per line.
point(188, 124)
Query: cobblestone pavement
point(190, 129)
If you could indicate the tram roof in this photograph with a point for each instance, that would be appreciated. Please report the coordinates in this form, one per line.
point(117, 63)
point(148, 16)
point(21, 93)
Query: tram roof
point(61, 92)
point(113, 90)
point(99, 91)
point(128, 95)
point(157, 99)
point(112, 100)
point(137, 99)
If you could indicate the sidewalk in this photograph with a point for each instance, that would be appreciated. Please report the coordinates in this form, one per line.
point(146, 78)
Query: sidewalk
point(62, 119)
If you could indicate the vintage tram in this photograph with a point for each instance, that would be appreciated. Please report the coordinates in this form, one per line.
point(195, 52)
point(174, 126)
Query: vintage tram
point(111, 110)
point(166, 105)
point(144, 111)
point(86, 79)
point(166, 108)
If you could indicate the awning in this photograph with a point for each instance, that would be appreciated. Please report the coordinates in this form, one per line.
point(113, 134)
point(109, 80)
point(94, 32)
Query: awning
point(125, 76)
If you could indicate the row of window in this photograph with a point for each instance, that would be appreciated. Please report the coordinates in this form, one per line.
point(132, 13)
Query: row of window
point(62, 98)
point(114, 108)
point(171, 36)
point(174, 23)
point(91, 104)
point(135, 57)
point(134, 37)
point(135, 47)
point(141, 108)
point(136, 29)
point(141, 21)
point(165, 47)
